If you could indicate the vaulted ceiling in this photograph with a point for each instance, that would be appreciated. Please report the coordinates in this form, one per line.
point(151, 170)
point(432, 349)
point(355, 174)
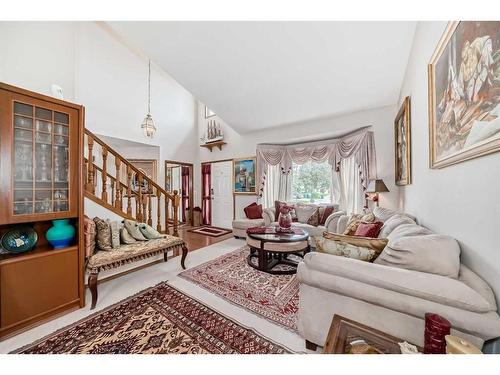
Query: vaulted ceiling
point(257, 75)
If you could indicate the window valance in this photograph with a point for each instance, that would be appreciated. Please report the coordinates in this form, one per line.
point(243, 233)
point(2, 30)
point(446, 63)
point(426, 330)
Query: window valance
point(359, 145)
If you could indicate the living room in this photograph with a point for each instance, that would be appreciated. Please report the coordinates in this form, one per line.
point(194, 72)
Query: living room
point(264, 175)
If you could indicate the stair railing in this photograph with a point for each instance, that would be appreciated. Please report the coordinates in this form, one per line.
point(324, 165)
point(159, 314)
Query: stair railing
point(125, 189)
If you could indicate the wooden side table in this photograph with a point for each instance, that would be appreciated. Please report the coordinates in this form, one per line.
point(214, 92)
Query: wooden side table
point(344, 331)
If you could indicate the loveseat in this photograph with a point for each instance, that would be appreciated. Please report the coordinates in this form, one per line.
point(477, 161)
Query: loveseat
point(330, 224)
point(391, 296)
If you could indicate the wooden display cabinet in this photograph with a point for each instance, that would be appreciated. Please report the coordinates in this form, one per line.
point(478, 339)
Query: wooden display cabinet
point(41, 159)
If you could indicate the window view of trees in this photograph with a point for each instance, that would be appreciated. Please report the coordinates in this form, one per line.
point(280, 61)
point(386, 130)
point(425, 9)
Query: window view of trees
point(312, 182)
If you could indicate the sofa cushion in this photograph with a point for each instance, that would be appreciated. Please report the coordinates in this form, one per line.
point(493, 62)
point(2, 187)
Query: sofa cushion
point(324, 213)
point(368, 229)
point(383, 214)
point(355, 220)
point(314, 219)
point(344, 249)
point(133, 228)
point(103, 238)
point(439, 289)
point(305, 211)
point(89, 235)
point(406, 230)
point(125, 237)
point(115, 234)
point(149, 232)
point(253, 211)
point(392, 223)
point(431, 253)
point(377, 244)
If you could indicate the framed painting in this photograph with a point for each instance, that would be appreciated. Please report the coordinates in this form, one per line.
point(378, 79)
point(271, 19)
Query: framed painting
point(244, 175)
point(464, 93)
point(402, 144)
point(146, 166)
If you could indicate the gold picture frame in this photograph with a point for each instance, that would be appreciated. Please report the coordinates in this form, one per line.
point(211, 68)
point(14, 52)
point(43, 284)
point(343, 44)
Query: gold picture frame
point(402, 144)
point(462, 95)
point(245, 176)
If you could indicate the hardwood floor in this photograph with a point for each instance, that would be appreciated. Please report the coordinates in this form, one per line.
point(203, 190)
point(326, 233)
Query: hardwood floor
point(196, 241)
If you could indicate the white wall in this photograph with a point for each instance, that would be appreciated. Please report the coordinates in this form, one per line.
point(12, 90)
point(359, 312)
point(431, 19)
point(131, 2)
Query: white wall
point(243, 145)
point(461, 200)
point(97, 69)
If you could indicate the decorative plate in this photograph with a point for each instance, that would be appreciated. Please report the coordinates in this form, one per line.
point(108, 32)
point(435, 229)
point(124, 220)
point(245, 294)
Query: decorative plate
point(19, 239)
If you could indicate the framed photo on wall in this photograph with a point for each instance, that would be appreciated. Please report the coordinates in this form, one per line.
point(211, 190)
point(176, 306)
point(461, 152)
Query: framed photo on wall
point(244, 175)
point(464, 93)
point(146, 166)
point(402, 144)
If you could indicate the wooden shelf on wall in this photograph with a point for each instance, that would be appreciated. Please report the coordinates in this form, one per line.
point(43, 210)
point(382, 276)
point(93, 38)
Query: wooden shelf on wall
point(211, 145)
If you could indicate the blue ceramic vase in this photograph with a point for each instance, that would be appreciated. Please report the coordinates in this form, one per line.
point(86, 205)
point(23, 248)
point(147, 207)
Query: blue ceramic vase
point(61, 234)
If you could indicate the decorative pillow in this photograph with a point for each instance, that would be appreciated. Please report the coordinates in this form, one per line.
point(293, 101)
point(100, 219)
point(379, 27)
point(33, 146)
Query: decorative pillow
point(431, 253)
point(324, 212)
point(314, 219)
point(377, 244)
point(133, 230)
point(125, 237)
point(369, 229)
point(324, 245)
point(305, 211)
point(103, 234)
point(253, 211)
point(355, 220)
point(149, 232)
point(393, 222)
point(115, 234)
point(89, 234)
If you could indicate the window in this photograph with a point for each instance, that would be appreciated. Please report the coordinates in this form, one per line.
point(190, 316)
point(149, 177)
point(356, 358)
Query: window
point(312, 183)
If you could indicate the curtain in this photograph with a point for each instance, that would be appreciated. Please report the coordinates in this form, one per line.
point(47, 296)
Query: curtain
point(278, 186)
point(357, 147)
point(205, 191)
point(184, 191)
point(350, 187)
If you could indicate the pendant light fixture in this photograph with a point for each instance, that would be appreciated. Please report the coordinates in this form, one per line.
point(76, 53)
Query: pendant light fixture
point(148, 125)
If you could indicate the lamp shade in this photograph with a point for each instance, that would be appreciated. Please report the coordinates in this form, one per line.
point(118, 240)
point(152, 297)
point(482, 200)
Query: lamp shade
point(377, 186)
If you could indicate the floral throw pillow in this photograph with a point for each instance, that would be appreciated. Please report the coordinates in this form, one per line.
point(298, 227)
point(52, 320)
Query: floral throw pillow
point(324, 245)
point(314, 220)
point(355, 220)
point(103, 237)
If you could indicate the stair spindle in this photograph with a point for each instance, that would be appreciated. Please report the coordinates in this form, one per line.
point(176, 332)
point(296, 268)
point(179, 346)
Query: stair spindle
point(176, 213)
point(150, 212)
point(140, 215)
point(104, 174)
point(158, 211)
point(118, 200)
point(90, 169)
point(167, 214)
point(129, 190)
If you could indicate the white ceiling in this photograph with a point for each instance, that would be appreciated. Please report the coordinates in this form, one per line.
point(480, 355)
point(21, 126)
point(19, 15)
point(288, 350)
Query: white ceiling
point(257, 75)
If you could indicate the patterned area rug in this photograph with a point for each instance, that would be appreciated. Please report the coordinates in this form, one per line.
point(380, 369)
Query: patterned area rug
point(274, 297)
point(211, 231)
point(160, 319)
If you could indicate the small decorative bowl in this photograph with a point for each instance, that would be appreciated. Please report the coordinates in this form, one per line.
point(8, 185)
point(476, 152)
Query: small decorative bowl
point(19, 240)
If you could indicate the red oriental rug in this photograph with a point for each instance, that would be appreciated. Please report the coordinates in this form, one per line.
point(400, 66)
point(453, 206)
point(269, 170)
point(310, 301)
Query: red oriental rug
point(274, 297)
point(211, 231)
point(158, 320)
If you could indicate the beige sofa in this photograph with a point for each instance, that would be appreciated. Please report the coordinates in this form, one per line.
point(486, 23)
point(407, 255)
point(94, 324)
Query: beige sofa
point(389, 298)
point(331, 223)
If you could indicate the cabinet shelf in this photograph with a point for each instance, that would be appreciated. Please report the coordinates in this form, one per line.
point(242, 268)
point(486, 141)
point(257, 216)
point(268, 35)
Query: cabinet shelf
point(38, 251)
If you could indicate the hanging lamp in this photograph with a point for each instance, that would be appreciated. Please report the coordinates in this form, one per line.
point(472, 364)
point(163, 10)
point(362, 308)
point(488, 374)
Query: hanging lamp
point(148, 125)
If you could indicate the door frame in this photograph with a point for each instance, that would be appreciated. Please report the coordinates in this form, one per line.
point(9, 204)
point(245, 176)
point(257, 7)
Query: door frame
point(232, 182)
point(191, 183)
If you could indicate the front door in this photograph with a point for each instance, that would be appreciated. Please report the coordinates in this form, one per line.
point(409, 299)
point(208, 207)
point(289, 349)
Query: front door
point(222, 194)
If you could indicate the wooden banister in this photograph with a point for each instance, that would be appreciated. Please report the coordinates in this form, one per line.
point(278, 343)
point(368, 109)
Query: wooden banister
point(121, 188)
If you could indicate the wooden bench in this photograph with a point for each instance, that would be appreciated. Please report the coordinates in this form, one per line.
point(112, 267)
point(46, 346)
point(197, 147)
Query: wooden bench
point(125, 254)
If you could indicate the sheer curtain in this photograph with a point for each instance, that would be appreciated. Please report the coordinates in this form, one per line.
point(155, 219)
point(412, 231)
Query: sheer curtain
point(278, 186)
point(347, 183)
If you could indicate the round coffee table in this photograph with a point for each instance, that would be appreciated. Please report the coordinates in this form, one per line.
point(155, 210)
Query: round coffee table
point(272, 249)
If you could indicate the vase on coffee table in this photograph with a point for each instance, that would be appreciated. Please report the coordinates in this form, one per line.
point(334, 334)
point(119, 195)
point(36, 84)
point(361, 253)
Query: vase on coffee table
point(285, 219)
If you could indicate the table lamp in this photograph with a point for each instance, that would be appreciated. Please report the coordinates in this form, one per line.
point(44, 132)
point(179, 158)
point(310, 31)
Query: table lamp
point(375, 187)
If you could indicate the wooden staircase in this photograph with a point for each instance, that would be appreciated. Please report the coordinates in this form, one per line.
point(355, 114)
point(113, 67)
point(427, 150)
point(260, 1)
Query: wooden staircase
point(114, 183)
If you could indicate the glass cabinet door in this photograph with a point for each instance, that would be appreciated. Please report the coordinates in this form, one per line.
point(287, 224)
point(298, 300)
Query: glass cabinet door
point(41, 160)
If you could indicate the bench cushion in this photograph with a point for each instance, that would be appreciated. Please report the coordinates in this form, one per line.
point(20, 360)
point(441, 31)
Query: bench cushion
point(105, 260)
